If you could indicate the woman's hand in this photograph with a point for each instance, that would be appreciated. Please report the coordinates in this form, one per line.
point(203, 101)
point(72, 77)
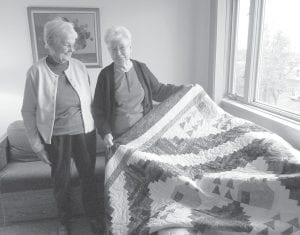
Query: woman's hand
point(43, 156)
point(108, 140)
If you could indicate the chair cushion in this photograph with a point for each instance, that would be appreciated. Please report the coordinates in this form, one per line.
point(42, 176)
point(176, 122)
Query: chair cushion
point(25, 176)
point(27, 192)
point(100, 147)
point(20, 149)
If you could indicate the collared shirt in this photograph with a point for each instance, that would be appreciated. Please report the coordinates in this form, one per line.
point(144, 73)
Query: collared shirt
point(129, 95)
point(39, 102)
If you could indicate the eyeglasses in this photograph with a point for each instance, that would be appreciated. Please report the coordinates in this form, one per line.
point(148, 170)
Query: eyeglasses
point(119, 46)
point(118, 49)
point(69, 46)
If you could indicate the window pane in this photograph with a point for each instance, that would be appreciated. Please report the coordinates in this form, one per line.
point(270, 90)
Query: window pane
point(241, 50)
point(279, 67)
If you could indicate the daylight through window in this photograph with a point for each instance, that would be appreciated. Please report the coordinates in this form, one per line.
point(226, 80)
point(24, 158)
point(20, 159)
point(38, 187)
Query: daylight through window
point(265, 68)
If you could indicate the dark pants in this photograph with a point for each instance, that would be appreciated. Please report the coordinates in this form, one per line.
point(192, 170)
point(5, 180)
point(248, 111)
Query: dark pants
point(82, 148)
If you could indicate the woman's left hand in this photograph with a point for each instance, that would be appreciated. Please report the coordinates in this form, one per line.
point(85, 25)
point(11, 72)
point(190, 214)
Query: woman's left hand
point(43, 156)
point(108, 140)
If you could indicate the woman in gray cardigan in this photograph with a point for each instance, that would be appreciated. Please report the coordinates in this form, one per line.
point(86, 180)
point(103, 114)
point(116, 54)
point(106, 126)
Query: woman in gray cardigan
point(58, 119)
point(125, 89)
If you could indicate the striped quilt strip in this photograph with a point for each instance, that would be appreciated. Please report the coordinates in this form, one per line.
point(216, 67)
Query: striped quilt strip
point(189, 164)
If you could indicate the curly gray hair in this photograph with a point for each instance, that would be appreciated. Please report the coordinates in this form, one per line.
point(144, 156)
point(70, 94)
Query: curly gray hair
point(115, 33)
point(57, 29)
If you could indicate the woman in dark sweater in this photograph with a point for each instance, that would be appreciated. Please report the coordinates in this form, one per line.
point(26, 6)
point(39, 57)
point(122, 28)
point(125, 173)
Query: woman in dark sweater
point(125, 88)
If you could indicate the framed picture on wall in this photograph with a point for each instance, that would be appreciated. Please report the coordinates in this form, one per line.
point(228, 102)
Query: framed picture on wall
point(86, 23)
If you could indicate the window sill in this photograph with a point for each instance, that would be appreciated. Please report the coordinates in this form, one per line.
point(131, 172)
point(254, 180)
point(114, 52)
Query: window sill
point(287, 129)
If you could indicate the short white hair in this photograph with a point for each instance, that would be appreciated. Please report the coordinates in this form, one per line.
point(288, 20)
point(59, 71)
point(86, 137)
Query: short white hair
point(116, 33)
point(57, 29)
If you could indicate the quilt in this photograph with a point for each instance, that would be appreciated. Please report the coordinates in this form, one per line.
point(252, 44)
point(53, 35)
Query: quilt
point(190, 164)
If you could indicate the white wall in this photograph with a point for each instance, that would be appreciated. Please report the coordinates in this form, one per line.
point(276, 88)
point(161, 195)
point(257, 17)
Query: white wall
point(171, 36)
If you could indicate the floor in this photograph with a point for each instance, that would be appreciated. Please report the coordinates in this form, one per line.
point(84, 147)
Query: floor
point(80, 226)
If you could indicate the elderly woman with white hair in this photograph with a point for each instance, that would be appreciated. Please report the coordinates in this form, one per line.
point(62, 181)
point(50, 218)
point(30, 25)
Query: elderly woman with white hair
point(58, 119)
point(125, 89)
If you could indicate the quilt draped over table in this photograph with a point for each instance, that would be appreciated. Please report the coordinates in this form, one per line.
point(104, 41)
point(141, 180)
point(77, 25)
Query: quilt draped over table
point(190, 164)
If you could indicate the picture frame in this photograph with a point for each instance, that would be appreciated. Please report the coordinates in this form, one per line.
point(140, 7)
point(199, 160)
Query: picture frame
point(86, 23)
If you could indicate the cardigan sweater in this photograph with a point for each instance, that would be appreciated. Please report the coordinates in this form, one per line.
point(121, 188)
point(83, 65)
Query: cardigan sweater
point(39, 102)
point(104, 99)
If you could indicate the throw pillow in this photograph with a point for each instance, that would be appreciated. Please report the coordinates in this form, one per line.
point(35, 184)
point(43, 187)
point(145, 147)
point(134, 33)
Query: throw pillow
point(20, 149)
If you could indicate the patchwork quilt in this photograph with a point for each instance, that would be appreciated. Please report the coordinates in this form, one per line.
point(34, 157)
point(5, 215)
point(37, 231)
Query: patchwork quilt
point(190, 164)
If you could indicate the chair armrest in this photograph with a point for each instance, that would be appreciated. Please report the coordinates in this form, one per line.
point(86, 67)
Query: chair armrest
point(3, 151)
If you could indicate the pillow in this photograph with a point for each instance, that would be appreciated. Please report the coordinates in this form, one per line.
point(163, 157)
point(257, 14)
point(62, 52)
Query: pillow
point(20, 149)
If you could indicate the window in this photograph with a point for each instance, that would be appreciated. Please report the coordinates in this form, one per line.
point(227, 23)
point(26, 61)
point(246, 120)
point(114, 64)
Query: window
point(265, 56)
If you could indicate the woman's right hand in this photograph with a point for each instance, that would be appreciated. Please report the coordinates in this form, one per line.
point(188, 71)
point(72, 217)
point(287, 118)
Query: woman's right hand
point(108, 140)
point(43, 156)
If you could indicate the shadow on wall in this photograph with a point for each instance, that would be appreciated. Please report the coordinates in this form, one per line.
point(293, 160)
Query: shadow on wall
point(10, 110)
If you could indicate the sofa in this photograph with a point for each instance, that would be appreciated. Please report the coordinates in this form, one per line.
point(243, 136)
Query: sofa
point(25, 181)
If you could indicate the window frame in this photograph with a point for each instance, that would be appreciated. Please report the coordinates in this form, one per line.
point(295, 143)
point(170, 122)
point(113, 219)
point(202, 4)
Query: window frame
point(220, 47)
point(256, 17)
